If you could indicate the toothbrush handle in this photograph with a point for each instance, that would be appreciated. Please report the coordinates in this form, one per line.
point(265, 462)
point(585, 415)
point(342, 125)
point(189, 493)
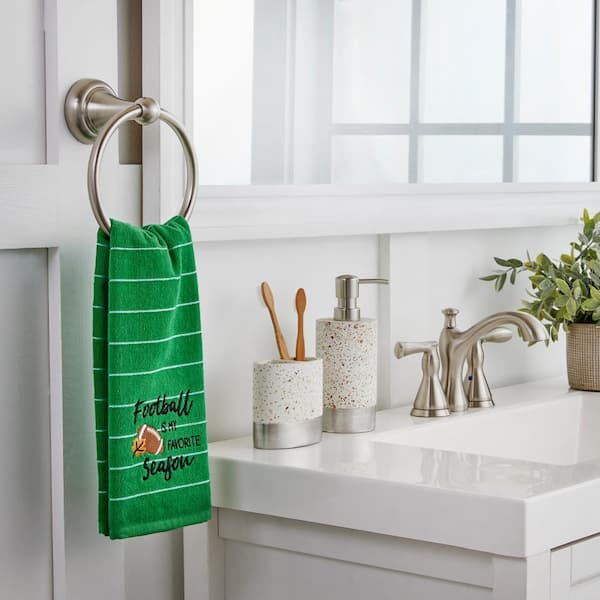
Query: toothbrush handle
point(300, 351)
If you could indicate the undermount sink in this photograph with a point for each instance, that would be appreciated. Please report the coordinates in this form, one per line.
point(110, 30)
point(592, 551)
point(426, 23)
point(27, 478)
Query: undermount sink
point(563, 431)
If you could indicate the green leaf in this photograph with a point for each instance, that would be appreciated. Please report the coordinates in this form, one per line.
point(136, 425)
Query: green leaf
point(536, 279)
point(489, 277)
point(571, 307)
point(543, 262)
point(567, 258)
point(500, 282)
point(596, 316)
point(561, 301)
point(595, 293)
point(590, 304)
point(563, 286)
point(515, 262)
point(539, 260)
point(513, 276)
point(502, 262)
point(594, 265)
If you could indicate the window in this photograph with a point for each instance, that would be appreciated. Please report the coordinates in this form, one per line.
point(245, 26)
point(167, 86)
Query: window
point(394, 91)
point(482, 91)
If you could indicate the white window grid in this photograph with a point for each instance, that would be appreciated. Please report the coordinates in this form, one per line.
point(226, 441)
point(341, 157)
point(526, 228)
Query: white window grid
point(509, 129)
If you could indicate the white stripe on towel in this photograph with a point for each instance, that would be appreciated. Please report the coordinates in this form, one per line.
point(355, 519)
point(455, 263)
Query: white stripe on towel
point(167, 368)
point(151, 279)
point(171, 337)
point(160, 248)
point(152, 310)
point(177, 487)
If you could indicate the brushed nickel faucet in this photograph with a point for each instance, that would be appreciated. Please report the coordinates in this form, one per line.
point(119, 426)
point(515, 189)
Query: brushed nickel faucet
point(455, 346)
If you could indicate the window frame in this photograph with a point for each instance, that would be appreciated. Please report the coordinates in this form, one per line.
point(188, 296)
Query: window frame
point(235, 212)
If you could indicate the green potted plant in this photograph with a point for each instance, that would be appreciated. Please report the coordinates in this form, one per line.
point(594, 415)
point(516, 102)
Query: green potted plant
point(566, 293)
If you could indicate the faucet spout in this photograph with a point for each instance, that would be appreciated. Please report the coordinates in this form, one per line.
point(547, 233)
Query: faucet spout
point(455, 346)
point(531, 329)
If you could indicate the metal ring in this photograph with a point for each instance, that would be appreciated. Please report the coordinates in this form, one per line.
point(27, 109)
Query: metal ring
point(135, 112)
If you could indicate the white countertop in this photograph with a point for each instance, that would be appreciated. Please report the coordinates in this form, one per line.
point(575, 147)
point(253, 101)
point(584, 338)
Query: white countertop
point(505, 506)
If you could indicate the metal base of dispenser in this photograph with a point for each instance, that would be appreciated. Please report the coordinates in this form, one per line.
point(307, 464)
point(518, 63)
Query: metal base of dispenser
point(348, 420)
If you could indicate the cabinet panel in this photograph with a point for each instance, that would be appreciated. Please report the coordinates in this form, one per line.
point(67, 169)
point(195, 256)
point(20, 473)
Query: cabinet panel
point(575, 572)
point(585, 559)
point(260, 573)
point(590, 590)
point(25, 492)
point(22, 69)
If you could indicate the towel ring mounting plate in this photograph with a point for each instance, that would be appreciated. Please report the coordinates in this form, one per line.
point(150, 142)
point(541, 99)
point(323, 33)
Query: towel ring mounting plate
point(93, 112)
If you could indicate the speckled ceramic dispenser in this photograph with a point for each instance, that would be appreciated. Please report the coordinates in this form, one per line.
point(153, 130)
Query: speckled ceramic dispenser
point(287, 403)
point(349, 349)
point(348, 346)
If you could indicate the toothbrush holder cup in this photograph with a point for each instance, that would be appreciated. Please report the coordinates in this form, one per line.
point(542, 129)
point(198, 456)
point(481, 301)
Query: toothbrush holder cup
point(287, 403)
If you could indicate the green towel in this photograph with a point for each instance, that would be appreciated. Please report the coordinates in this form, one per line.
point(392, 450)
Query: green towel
point(148, 381)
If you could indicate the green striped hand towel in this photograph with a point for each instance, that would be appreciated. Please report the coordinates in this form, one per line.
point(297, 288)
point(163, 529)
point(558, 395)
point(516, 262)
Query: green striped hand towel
point(148, 381)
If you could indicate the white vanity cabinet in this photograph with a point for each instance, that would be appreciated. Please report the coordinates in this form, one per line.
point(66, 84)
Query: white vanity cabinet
point(378, 516)
point(270, 558)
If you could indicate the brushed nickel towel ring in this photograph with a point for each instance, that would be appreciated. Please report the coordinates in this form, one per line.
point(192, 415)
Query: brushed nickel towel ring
point(93, 113)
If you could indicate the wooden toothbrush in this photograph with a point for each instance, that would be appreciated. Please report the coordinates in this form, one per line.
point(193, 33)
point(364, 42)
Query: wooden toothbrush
point(267, 295)
point(300, 308)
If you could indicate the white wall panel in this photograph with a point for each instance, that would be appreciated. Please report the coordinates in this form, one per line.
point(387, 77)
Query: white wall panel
point(25, 492)
point(430, 271)
point(22, 118)
point(235, 322)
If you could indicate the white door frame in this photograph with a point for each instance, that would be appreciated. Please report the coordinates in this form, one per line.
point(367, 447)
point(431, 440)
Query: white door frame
point(45, 206)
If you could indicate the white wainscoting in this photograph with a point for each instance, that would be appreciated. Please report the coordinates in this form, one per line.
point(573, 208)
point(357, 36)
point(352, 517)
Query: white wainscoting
point(32, 545)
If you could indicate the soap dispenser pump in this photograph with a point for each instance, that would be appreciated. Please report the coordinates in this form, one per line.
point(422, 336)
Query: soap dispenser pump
point(348, 346)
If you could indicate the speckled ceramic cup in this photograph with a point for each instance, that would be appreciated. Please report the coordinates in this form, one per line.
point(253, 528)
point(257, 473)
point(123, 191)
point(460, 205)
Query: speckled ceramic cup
point(287, 403)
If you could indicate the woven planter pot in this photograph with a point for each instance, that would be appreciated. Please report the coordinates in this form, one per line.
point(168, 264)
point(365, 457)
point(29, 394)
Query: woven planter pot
point(583, 356)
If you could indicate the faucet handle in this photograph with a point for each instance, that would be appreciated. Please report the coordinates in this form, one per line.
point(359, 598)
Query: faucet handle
point(402, 349)
point(430, 400)
point(476, 385)
point(450, 314)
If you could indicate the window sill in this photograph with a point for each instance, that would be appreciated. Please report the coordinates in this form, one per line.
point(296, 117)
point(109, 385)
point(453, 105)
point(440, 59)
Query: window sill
point(278, 211)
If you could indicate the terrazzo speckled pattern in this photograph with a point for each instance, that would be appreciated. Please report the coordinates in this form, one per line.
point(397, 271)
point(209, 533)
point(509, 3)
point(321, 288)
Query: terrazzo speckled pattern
point(287, 391)
point(349, 353)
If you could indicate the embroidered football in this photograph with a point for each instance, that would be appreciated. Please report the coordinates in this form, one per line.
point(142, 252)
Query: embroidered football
point(153, 439)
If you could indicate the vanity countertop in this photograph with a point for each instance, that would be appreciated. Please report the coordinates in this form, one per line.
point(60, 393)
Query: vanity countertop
point(508, 506)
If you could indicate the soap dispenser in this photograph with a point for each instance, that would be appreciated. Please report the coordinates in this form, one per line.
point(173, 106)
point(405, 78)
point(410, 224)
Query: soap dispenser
point(348, 346)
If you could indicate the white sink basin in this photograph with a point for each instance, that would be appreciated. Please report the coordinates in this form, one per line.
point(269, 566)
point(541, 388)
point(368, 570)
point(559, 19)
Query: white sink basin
point(563, 431)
